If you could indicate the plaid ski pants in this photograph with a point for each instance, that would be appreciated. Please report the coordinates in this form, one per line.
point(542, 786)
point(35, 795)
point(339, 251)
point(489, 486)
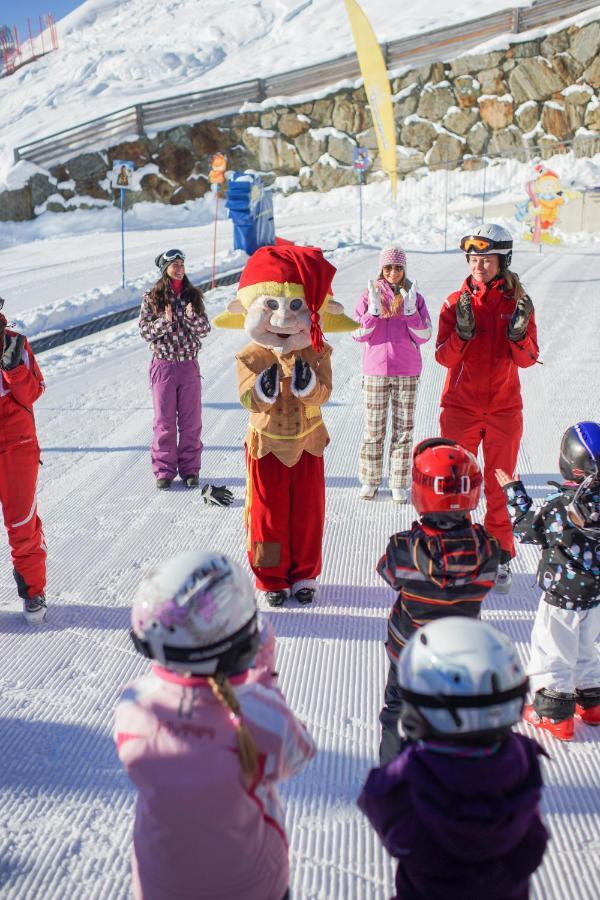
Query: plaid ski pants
point(378, 392)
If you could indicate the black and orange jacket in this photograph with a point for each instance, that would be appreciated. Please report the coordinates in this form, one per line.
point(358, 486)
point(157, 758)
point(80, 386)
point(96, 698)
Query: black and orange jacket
point(437, 572)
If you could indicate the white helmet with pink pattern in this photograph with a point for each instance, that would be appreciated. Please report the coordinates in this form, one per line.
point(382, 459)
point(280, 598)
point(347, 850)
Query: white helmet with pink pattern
point(196, 613)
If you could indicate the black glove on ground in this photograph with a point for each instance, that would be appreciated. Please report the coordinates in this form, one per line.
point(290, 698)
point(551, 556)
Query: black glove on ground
point(520, 319)
point(302, 375)
point(269, 381)
point(13, 349)
point(465, 318)
point(216, 496)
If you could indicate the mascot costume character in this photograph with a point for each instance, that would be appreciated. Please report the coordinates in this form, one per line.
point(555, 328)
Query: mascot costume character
point(284, 377)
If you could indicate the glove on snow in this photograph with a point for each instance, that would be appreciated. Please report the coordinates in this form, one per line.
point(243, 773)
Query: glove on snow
point(303, 378)
point(465, 318)
point(11, 354)
point(374, 307)
point(216, 496)
point(520, 318)
point(410, 299)
point(268, 382)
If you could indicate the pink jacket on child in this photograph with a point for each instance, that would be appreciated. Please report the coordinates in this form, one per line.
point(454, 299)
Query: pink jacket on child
point(200, 831)
point(392, 343)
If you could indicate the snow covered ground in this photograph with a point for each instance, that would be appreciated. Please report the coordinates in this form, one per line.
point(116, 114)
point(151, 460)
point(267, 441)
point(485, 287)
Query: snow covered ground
point(65, 806)
point(114, 54)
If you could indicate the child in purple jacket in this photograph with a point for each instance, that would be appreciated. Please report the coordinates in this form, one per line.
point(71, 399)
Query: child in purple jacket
point(205, 737)
point(173, 321)
point(459, 806)
point(394, 323)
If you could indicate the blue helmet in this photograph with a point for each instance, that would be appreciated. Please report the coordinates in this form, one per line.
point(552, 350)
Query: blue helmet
point(580, 452)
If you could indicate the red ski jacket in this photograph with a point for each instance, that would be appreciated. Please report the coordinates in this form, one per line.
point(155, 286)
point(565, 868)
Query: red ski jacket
point(483, 372)
point(19, 389)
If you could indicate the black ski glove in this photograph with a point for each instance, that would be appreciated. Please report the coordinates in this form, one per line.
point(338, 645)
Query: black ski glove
point(302, 377)
point(269, 381)
point(13, 349)
point(216, 496)
point(520, 319)
point(465, 318)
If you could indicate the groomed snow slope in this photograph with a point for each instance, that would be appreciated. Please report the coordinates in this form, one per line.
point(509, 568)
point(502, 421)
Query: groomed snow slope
point(65, 806)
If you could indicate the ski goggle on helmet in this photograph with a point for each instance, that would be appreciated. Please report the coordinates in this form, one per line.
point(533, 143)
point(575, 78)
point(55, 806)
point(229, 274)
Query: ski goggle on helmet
point(196, 613)
point(445, 477)
point(460, 680)
point(163, 260)
point(488, 240)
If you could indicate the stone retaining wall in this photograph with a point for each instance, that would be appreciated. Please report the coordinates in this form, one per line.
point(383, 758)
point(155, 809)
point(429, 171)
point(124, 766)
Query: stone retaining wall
point(541, 93)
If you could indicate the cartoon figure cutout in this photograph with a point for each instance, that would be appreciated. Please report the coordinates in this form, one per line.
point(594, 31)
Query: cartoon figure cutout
point(540, 213)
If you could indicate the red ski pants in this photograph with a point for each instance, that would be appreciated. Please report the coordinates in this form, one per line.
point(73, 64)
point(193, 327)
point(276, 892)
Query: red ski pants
point(285, 514)
point(500, 436)
point(19, 466)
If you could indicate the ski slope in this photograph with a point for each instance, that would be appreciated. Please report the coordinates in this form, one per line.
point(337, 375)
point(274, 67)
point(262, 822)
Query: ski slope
point(66, 808)
point(113, 54)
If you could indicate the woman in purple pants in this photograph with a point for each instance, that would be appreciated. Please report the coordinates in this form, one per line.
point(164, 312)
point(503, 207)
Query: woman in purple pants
point(173, 321)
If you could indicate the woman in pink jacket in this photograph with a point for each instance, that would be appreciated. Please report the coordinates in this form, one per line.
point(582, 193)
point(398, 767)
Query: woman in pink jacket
point(394, 323)
point(205, 736)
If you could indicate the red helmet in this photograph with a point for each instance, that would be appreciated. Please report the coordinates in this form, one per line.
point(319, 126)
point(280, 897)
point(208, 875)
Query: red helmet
point(445, 477)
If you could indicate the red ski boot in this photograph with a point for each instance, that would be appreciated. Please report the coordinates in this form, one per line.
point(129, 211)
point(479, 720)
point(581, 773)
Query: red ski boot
point(591, 715)
point(563, 729)
point(587, 705)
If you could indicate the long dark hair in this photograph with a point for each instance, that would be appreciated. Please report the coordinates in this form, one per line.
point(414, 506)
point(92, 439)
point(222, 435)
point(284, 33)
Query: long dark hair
point(159, 295)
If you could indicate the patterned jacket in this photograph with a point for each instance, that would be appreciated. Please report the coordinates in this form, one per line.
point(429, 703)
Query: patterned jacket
point(569, 569)
point(288, 425)
point(19, 389)
point(437, 573)
point(176, 340)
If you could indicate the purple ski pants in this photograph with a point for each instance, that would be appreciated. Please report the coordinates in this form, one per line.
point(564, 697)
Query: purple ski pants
point(177, 400)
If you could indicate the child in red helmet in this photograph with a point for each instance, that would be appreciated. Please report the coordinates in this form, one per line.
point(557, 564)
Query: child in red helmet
point(443, 566)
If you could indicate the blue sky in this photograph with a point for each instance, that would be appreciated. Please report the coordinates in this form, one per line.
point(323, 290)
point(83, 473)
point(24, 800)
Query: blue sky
point(12, 13)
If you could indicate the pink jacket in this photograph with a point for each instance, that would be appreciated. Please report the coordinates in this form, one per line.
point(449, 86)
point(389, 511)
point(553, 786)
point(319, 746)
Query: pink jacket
point(199, 831)
point(392, 344)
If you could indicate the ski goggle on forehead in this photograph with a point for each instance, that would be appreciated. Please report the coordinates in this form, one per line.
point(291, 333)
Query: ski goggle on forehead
point(171, 255)
point(474, 243)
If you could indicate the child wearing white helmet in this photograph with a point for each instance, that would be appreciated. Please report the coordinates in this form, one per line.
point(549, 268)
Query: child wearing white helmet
point(459, 806)
point(394, 324)
point(205, 736)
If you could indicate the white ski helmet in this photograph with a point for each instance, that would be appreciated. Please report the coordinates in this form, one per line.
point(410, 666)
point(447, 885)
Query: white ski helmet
point(460, 679)
point(488, 240)
point(196, 613)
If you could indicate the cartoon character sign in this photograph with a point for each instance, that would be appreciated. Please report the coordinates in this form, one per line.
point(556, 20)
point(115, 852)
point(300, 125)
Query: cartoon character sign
point(539, 213)
point(122, 174)
point(284, 377)
point(216, 176)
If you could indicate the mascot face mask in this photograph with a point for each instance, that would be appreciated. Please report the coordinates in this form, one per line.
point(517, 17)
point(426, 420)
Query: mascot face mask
point(280, 323)
point(284, 300)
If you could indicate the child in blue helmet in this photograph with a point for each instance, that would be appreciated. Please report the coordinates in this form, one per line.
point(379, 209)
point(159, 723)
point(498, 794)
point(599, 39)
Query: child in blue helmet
point(564, 668)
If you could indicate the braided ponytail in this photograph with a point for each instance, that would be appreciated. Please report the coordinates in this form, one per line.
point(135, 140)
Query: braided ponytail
point(221, 688)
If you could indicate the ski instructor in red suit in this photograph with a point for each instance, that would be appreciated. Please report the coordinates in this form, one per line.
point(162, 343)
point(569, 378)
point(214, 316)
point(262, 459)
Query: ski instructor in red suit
point(21, 384)
point(486, 334)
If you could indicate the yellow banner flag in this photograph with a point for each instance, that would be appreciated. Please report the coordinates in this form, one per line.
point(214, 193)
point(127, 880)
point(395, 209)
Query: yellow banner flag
point(377, 87)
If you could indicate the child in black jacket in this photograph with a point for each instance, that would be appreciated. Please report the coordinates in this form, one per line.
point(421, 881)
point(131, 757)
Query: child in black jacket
point(564, 668)
point(444, 566)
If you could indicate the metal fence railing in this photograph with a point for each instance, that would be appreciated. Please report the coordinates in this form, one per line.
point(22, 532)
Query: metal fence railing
point(101, 323)
point(424, 48)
